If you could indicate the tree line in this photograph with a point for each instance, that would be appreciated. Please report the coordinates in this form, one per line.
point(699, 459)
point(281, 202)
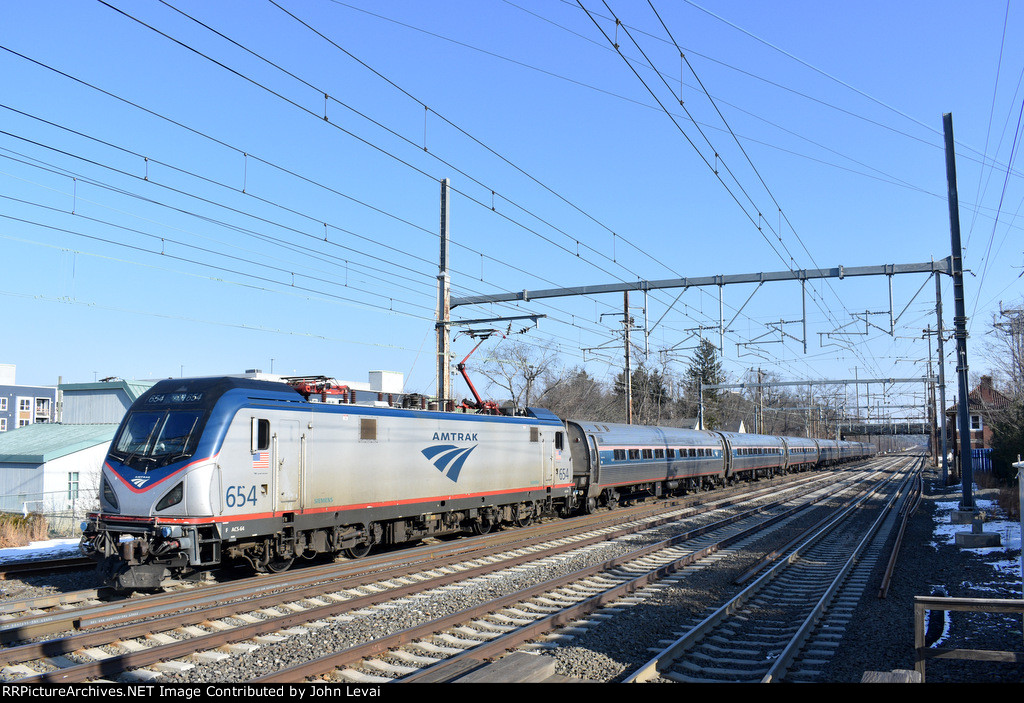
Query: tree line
point(531, 376)
point(1005, 347)
point(661, 394)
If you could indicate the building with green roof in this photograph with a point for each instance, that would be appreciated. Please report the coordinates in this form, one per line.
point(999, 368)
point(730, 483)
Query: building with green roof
point(54, 468)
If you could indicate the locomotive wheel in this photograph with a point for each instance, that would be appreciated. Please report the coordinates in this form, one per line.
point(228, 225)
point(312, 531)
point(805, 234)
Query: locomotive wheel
point(482, 526)
point(523, 517)
point(276, 566)
point(359, 551)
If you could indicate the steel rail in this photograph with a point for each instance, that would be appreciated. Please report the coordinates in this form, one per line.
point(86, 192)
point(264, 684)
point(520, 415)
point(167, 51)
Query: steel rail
point(909, 508)
point(33, 626)
point(18, 569)
point(18, 607)
point(670, 654)
point(200, 614)
point(776, 553)
point(786, 657)
point(499, 644)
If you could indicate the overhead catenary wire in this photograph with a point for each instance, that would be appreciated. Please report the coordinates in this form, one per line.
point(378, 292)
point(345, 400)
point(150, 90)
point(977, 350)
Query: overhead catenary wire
point(713, 168)
point(241, 152)
point(484, 253)
point(500, 214)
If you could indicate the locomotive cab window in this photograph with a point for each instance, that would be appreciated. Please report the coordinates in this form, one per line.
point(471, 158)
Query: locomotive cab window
point(260, 435)
point(153, 438)
point(558, 440)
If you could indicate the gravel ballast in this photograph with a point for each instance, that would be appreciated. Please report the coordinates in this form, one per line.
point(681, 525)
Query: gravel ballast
point(880, 638)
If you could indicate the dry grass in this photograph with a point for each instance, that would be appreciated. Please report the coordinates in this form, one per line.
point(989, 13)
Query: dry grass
point(1009, 501)
point(18, 530)
point(1007, 497)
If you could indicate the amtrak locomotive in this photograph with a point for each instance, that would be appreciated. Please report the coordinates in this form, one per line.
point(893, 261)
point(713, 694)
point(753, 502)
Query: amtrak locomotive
point(210, 470)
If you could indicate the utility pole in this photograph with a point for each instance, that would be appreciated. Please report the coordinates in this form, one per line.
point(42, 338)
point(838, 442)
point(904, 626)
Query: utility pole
point(959, 322)
point(444, 311)
point(942, 381)
point(933, 443)
point(628, 379)
point(759, 417)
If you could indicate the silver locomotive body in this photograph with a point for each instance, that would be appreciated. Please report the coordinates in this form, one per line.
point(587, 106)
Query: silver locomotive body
point(203, 470)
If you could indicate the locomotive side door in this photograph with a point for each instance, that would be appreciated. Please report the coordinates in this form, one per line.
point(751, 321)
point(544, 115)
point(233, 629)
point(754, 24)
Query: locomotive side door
point(288, 464)
point(547, 448)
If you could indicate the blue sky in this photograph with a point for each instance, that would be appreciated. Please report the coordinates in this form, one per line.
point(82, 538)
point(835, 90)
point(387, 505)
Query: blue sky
point(199, 188)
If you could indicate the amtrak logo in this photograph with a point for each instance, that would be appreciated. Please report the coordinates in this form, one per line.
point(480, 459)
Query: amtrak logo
point(140, 481)
point(449, 459)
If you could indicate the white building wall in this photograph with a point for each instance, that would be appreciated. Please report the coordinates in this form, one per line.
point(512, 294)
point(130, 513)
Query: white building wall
point(88, 464)
point(20, 483)
point(44, 487)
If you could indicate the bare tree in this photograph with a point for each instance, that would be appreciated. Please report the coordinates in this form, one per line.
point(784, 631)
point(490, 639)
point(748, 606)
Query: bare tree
point(575, 394)
point(1007, 348)
point(519, 368)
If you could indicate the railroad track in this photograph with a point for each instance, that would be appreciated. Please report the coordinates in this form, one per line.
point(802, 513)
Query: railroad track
point(41, 615)
point(165, 635)
point(20, 569)
point(799, 605)
point(445, 648)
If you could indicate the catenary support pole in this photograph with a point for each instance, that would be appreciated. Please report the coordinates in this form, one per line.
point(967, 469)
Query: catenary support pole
point(627, 379)
point(444, 330)
point(959, 322)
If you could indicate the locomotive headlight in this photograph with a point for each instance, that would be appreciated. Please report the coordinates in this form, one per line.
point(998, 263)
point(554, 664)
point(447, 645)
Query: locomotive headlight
point(172, 497)
point(108, 495)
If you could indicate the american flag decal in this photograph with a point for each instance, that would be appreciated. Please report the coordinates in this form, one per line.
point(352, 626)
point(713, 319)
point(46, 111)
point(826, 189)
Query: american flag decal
point(261, 460)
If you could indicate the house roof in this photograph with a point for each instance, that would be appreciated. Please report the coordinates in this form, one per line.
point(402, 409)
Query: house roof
point(41, 442)
point(133, 388)
point(983, 397)
point(733, 426)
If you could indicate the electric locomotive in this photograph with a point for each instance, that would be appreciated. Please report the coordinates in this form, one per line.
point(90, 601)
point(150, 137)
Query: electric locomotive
point(206, 471)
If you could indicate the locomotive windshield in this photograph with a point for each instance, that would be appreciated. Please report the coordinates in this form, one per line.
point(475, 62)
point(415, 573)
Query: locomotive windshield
point(150, 439)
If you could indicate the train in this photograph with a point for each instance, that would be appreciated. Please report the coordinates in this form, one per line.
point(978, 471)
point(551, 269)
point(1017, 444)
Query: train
point(206, 472)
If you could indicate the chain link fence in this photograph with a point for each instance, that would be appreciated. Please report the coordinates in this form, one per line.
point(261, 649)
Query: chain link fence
point(63, 513)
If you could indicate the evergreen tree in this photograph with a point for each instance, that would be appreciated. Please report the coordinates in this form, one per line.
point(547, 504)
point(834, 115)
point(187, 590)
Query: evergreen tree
point(650, 395)
point(705, 368)
point(1007, 442)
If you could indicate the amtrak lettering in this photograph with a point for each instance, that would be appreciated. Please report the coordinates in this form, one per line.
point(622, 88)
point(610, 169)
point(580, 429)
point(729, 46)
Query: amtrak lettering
point(455, 437)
